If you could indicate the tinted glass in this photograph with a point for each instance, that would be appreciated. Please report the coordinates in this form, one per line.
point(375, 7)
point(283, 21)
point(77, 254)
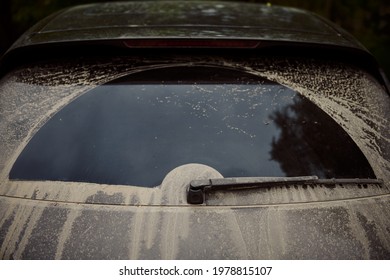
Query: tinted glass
point(136, 129)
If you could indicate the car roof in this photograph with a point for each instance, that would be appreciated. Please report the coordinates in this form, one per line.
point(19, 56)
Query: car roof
point(191, 20)
point(114, 28)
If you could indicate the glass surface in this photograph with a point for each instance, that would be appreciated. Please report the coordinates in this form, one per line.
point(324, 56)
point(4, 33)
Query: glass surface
point(134, 130)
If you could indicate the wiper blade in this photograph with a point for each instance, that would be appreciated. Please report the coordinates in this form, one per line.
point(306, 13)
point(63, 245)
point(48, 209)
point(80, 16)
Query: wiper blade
point(197, 188)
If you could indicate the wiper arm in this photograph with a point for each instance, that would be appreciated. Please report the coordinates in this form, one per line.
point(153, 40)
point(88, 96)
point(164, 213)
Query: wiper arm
point(197, 188)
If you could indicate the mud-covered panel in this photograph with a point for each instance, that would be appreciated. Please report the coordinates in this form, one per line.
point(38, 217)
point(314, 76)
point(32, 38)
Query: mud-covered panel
point(376, 248)
point(44, 239)
point(98, 235)
point(329, 234)
point(6, 223)
point(350, 229)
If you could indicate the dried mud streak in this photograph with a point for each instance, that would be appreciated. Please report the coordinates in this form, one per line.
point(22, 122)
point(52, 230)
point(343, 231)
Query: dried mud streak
point(154, 220)
point(66, 231)
point(6, 222)
point(236, 234)
point(137, 229)
point(171, 234)
point(275, 233)
point(358, 230)
point(23, 223)
point(145, 226)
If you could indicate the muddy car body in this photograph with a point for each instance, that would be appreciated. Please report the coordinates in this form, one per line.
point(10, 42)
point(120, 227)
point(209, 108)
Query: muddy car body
point(121, 124)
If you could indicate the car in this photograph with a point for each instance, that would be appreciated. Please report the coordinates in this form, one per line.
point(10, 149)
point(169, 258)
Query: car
point(192, 130)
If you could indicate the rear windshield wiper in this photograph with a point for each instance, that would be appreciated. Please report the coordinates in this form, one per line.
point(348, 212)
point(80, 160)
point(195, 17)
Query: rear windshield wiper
point(197, 188)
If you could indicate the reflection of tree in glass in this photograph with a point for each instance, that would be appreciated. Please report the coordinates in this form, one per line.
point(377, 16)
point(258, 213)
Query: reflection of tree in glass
point(312, 143)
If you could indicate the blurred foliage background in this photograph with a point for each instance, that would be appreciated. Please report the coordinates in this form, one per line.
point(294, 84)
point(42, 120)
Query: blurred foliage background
point(368, 21)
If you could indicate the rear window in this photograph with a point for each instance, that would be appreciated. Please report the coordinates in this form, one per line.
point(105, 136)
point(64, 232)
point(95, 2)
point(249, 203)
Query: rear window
point(135, 129)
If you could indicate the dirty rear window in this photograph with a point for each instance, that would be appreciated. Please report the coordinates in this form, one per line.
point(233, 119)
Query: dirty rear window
point(134, 130)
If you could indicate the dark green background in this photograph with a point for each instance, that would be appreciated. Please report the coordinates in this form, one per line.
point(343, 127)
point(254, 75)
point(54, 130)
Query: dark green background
point(368, 21)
